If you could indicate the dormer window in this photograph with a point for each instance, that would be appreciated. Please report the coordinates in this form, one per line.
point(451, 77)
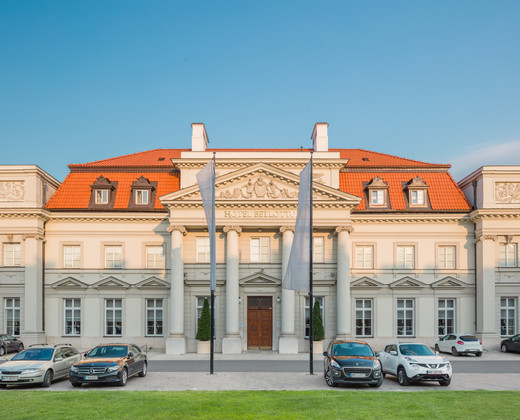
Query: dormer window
point(417, 193)
point(142, 196)
point(377, 197)
point(103, 194)
point(377, 194)
point(417, 197)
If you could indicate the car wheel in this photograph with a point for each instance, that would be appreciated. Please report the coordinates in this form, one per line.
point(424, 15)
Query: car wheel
point(47, 379)
point(478, 354)
point(445, 382)
point(454, 351)
point(437, 348)
point(382, 371)
point(504, 348)
point(328, 379)
point(2, 351)
point(143, 372)
point(3, 385)
point(76, 384)
point(379, 383)
point(402, 377)
point(123, 377)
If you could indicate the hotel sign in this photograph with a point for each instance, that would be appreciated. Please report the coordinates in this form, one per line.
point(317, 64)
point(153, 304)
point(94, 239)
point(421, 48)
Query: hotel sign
point(259, 214)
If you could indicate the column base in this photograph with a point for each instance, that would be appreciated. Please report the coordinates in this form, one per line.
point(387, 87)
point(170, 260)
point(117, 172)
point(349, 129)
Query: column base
point(175, 345)
point(490, 339)
point(288, 344)
point(232, 345)
point(33, 337)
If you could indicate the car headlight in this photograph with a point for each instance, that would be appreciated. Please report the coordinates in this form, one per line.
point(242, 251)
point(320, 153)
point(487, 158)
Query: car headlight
point(377, 365)
point(335, 364)
point(414, 366)
point(113, 368)
point(74, 369)
point(32, 371)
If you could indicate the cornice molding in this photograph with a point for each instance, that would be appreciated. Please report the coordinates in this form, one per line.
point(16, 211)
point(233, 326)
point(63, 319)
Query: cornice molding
point(410, 218)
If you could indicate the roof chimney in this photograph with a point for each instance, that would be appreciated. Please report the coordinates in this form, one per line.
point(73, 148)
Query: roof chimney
point(320, 138)
point(199, 137)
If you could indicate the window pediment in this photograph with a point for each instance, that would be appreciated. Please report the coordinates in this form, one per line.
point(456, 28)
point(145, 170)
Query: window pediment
point(449, 283)
point(69, 283)
point(153, 283)
point(407, 283)
point(111, 283)
point(259, 279)
point(366, 283)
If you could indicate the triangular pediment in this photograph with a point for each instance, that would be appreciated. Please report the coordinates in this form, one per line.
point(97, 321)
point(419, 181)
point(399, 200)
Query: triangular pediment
point(153, 283)
point(69, 283)
point(259, 279)
point(449, 283)
point(366, 283)
point(111, 283)
point(259, 183)
point(407, 283)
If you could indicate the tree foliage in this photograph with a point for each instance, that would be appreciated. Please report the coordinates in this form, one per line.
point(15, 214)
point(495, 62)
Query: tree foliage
point(204, 330)
point(317, 323)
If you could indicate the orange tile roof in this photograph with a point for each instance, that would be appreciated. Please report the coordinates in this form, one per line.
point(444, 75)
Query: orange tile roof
point(75, 191)
point(366, 158)
point(156, 157)
point(443, 192)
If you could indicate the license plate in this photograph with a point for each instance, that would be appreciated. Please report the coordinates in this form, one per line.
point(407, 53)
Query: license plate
point(358, 375)
point(10, 378)
point(91, 378)
point(434, 372)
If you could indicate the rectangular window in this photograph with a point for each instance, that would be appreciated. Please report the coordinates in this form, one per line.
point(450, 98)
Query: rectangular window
point(318, 250)
point(446, 316)
point(154, 317)
point(507, 255)
point(200, 304)
point(113, 317)
point(446, 257)
point(508, 316)
point(101, 197)
point(364, 257)
point(377, 197)
point(417, 197)
point(113, 256)
point(154, 257)
point(260, 249)
point(72, 315)
point(308, 312)
point(405, 257)
point(12, 316)
point(71, 256)
point(364, 317)
point(203, 251)
point(405, 318)
point(141, 196)
point(11, 254)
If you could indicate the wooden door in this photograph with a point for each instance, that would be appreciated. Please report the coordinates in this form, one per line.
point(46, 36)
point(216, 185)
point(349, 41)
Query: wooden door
point(259, 323)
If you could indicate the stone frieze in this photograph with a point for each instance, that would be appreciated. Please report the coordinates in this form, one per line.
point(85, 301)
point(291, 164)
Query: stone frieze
point(11, 190)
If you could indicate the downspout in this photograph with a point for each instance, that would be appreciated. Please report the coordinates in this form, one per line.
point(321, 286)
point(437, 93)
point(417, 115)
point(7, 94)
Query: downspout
point(474, 183)
point(43, 281)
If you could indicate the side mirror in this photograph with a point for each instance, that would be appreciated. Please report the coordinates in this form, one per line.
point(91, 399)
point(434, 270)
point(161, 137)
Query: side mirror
point(326, 354)
point(393, 352)
point(131, 354)
point(377, 354)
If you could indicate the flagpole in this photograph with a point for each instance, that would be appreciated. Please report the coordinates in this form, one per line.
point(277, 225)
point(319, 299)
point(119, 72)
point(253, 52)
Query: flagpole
point(212, 273)
point(311, 332)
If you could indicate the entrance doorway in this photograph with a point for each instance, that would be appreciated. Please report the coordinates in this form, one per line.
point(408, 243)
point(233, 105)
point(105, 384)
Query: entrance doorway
point(259, 322)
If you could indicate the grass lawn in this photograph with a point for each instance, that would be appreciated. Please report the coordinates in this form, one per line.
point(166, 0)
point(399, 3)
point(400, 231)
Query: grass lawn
point(260, 404)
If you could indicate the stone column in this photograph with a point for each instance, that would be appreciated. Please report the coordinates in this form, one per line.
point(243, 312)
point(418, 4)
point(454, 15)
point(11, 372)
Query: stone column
point(176, 341)
point(232, 343)
point(32, 331)
point(485, 290)
point(343, 283)
point(288, 343)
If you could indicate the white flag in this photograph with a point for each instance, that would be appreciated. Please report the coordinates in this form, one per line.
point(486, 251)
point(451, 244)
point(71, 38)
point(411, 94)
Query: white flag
point(297, 274)
point(206, 181)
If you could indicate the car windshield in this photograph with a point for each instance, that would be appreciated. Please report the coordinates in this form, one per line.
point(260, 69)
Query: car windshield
point(415, 350)
point(468, 338)
point(352, 349)
point(34, 354)
point(108, 351)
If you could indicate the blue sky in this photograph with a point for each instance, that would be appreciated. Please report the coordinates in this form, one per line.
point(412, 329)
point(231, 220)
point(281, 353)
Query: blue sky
point(82, 80)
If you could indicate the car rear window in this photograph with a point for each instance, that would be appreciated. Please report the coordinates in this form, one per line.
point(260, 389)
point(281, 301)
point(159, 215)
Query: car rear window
point(468, 338)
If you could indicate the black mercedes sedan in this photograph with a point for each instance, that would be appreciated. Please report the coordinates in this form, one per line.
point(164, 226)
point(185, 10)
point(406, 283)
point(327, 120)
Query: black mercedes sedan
point(351, 362)
point(109, 363)
point(511, 344)
point(8, 344)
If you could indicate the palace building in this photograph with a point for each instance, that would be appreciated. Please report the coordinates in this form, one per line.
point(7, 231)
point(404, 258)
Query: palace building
point(119, 251)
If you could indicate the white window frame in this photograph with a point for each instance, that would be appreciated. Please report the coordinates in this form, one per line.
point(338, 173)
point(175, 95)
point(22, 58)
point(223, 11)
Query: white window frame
point(155, 308)
point(71, 256)
point(377, 197)
point(154, 256)
point(406, 258)
point(101, 196)
point(508, 316)
point(114, 310)
point(507, 255)
point(111, 260)
point(72, 306)
point(417, 197)
point(444, 310)
point(364, 255)
point(12, 312)
point(364, 311)
point(318, 248)
point(203, 254)
point(408, 314)
point(12, 254)
point(443, 259)
point(262, 245)
point(142, 197)
point(308, 313)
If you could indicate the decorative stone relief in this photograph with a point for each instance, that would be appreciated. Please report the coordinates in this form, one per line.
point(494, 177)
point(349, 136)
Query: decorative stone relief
point(11, 190)
point(259, 188)
point(507, 192)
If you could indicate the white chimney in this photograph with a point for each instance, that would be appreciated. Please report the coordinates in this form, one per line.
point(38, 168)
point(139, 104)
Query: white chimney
point(320, 138)
point(199, 137)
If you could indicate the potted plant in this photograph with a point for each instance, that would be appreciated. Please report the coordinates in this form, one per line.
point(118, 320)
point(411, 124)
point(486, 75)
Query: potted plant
point(317, 327)
point(204, 330)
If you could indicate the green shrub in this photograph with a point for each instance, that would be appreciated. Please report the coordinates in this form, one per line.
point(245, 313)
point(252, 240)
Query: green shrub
point(317, 323)
point(204, 330)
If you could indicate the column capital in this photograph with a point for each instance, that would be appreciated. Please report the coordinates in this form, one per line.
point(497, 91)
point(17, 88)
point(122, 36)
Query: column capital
point(483, 238)
point(229, 228)
point(284, 229)
point(180, 228)
point(36, 236)
point(344, 228)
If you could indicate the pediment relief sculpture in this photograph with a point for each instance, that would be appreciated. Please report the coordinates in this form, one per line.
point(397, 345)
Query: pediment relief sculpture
point(11, 191)
point(507, 192)
point(259, 187)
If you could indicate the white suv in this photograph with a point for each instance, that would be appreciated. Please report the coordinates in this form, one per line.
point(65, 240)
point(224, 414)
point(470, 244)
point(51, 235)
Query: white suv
point(412, 362)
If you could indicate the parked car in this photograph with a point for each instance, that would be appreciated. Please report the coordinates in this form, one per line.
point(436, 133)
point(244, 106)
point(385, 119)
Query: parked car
point(113, 363)
point(351, 362)
point(412, 362)
point(8, 344)
point(40, 363)
point(511, 344)
point(459, 344)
